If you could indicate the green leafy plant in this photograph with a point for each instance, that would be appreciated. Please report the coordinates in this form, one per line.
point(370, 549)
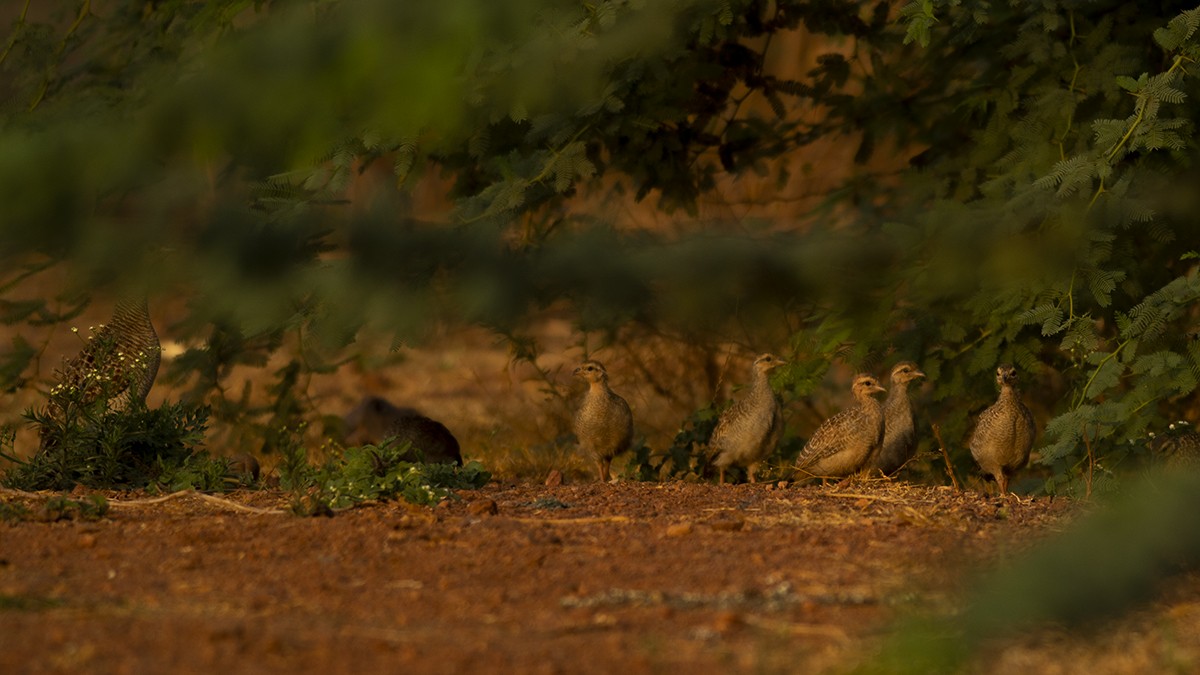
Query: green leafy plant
point(687, 455)
point(95, 434)
point(374, 473)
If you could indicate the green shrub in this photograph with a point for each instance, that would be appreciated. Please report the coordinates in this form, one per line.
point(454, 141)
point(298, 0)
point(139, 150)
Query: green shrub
point(369, 473)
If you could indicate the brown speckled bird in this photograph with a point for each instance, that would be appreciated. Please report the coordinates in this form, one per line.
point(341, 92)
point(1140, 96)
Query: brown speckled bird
point(375, 420)
point(603, 423)
point(844, 443)
point(899, 427)
point(1005, 431)
point(120, 361)
point(749, 430)
point(1179, 450)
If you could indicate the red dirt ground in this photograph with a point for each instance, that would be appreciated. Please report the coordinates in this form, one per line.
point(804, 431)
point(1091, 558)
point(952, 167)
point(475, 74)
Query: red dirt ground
point(522, 578)
point(588, 578)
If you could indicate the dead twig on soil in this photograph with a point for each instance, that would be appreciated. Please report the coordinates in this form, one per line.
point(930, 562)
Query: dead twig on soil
point(832, 632)
point(23, 493)
point(874, 498)
point(576, 521)
point(937, 434)
point(226, 503)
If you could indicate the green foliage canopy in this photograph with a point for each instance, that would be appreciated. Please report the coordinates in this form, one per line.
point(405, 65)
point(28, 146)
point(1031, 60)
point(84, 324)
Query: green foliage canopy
point(1044, 217)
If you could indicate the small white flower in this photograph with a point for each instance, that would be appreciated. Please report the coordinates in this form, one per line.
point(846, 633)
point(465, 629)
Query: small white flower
point(1151, 434)
point(1171, 427)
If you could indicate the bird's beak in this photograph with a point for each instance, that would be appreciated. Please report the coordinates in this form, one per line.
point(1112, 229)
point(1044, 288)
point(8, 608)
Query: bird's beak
point(919, 374)
point(879, 389)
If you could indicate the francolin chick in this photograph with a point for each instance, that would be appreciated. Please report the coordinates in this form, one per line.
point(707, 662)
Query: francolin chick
point(1004, 434)
point(844, 443)
point(899, 426)
point(375, 420)
point(603, 423)
point(749, 430)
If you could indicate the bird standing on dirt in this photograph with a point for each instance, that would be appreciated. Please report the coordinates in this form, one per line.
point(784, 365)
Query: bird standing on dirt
point(121, 358)
point(748, 431)
point(375, 420)
point(1005, 431)
point(603, 423)
point(844, 443)
point(899, 427)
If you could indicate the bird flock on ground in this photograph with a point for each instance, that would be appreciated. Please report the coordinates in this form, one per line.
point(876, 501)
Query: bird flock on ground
point(868, 437)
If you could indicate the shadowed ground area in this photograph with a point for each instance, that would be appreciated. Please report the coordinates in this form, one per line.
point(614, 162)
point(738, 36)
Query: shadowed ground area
point(635, 577)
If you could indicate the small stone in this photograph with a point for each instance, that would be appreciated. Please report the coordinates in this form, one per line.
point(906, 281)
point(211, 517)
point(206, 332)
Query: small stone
point(483, 507)
point(87, 541)
point(554, 478)
point(726, 621)
point(679, 529)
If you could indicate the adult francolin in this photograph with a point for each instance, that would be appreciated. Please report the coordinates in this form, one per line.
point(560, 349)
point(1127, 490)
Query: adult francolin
point(1004, 434)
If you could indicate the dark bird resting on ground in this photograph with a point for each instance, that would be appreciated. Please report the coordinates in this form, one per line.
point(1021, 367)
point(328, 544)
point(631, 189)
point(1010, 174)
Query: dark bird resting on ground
point(376, 420)
point(748, 431)
point(603, 422)
point(846, 442)
point(1004, 434)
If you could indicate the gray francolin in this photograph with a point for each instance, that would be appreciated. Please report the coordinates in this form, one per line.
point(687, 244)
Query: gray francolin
point(119, 362)
point(1178, 450)
point(1004, 434)
point(748, 431)
point(375, 420)
point(603, 422)
point(844, 443)
point(899, 425)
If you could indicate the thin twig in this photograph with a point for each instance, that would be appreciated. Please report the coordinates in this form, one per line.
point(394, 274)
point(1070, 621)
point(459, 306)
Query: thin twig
point(937, 434)
point(1091, 464)
point(807, 629)
point(226, 503)
point(874, 498)
point(576, 521)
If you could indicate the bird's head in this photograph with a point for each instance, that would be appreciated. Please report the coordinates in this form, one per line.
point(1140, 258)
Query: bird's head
point(1006, 375)
point(765, 363)
point(866, 385)
point(592, 371)
point(905, 371)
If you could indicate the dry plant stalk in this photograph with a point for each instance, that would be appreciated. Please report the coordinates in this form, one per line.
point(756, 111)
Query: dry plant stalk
point(937, 434)
point(1091, 464)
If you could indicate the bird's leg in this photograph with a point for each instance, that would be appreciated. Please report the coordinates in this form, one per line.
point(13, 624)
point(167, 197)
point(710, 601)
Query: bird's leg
point(604, 473)
point(1002, 481)
point(721, 474)
point(750, 471)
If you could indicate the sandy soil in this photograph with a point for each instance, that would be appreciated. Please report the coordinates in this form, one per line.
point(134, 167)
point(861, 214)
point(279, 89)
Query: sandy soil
point(632, 577)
